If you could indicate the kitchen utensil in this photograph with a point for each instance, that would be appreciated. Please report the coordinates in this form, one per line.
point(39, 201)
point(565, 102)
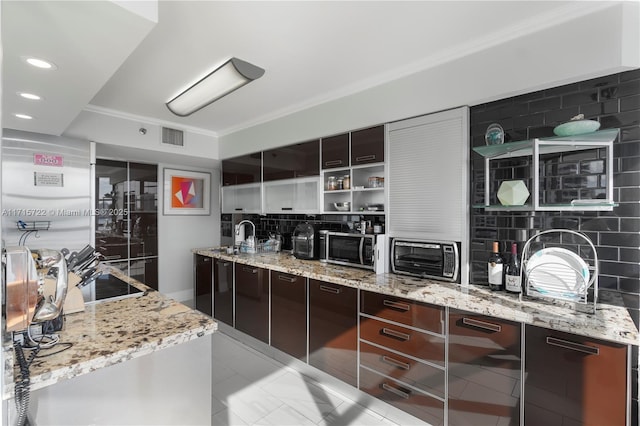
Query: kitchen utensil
point(555, 270)
point(342, 207)
point(494, 134)
point(576, 127)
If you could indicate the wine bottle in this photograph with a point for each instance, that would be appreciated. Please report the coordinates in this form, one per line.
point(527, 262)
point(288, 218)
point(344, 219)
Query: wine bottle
point(495, 267)
point(512, 278)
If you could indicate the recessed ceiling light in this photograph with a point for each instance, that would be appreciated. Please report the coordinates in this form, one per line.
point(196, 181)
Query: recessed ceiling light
point(24, 116)
point(39, 63)
point(30, 96)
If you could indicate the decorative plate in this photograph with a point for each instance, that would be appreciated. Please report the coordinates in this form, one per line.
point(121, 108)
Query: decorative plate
point(494, 134)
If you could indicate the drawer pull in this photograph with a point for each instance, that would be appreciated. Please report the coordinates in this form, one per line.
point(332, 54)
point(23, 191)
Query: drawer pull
point(395, 334)
point(206, 259)
point(287, 279)
point(573, 346)
point(250, 270)
point(402, 393)
point(397, 305)
point(115, 256)
point(391, 361)
point(481, 324)
point(238, 209)
point(365, 158)
point(333, 163)
point(287, 208)
point(330, 289)
point(225, 264)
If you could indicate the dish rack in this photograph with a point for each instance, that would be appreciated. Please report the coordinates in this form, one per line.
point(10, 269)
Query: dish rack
point(547, 272)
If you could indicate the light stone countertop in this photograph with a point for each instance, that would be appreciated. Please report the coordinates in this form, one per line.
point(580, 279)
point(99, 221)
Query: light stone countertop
point(611, 321)
point(109, 333)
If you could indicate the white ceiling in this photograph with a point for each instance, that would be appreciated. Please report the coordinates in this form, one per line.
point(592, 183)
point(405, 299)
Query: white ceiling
point(312, 52)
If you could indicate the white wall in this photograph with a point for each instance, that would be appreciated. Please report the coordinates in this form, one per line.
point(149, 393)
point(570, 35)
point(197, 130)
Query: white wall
point(593, 45)
point(177, 235)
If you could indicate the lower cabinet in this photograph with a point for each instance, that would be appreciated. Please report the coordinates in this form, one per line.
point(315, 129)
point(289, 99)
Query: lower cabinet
point(252, 301)
point(203, 275)
point(223, 291)
point(484, 370)
point(289, 314)
point(333, 330)
point(404, 365)
point(573, 380)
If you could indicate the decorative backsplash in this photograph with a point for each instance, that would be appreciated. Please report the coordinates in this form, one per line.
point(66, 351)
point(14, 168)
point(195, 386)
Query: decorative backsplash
point(614, 101)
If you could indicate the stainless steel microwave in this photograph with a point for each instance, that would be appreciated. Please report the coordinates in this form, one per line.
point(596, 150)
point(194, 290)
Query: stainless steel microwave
point(439, 260)
point(366, 251)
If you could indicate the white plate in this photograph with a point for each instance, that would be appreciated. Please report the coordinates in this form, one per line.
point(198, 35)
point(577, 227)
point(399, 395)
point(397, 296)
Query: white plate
point(557, 270)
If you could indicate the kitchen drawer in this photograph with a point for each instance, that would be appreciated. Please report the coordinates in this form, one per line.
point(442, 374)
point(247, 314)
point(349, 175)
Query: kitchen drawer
point(408, 341)
point(407, 370)
point(415, 314)
point(414, 402)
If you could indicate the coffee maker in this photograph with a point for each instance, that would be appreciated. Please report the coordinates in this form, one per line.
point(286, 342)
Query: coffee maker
point(305, 241)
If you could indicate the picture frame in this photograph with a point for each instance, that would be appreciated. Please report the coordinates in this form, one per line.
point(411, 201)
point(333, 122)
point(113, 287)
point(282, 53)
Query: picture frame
point(186, 192)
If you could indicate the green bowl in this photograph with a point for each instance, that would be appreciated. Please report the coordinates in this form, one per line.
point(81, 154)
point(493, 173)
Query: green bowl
point(576, 127)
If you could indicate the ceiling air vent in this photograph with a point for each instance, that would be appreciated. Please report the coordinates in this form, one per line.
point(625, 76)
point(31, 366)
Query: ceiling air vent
point(172, 136)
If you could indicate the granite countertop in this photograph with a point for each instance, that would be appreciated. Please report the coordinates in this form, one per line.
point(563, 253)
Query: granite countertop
point(611, 321)
point(109, 333)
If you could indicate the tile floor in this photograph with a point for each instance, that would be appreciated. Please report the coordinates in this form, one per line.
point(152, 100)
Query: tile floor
point(250, 388)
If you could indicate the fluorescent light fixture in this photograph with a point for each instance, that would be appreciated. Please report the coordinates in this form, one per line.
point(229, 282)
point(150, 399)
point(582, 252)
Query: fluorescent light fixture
point(23, 116)
point(230, 76)
point(30, 96)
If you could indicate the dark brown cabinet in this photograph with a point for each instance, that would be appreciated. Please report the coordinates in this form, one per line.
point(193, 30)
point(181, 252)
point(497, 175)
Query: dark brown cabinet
point(484, 370)
point(289, 314)
point(252, 301)
point(204, 275)
point(335, 151)
point(223, 291)
point(367, 146)
point(333, 330)
point(573, 380)
point(243, 169)
point(292, 161)
point(402, 354)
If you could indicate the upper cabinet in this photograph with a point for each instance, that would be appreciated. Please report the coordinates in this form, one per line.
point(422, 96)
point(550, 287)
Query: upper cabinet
point(335, 151)
point(367, 146)
point(538, 152)
point(243, 169)
point(292, 161)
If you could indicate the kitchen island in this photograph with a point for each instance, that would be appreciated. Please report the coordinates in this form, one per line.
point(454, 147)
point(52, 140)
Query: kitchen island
point(158, 354)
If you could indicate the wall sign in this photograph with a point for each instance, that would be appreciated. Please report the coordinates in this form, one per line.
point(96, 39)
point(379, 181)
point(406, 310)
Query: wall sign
point(48, 160)
point(48, 179)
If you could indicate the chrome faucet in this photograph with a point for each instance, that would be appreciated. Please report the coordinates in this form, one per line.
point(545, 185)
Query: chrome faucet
point(240, 235)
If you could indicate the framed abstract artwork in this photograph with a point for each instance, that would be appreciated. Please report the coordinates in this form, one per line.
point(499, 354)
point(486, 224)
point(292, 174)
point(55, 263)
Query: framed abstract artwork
point(186, 192)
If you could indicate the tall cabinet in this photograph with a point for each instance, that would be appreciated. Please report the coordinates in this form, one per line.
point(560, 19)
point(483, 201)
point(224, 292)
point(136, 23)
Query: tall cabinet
point(127, 217)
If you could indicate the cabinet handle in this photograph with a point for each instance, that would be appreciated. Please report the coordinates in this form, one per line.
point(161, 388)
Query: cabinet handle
point(225, 264)
point(251, 270)
point(573, 346)
point(395, 334)
point(115, 256)
point(206, 259)
point(287, 279)
point(330, 289)
point(366, 158)
point(481, 324)
point(333, 163)
point(392, 361)
point(397, 305)
point(238, 209)
point(287, 208)
point(402, 393)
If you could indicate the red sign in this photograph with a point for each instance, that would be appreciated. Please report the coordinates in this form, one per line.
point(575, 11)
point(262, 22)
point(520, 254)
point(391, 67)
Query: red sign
point(48, 160)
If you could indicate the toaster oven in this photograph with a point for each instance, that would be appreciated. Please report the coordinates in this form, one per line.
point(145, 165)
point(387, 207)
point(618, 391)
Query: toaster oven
point(439, 260)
